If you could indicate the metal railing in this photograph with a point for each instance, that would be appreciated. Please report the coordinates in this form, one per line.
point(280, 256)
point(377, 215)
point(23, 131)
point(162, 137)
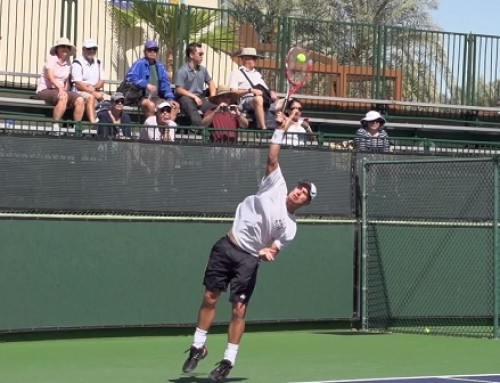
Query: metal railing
point(43, 127)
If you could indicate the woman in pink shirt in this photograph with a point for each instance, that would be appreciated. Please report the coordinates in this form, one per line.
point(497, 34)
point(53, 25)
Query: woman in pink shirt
point(53, 86)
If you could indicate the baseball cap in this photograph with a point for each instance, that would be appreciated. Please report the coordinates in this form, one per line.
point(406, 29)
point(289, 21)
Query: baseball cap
point(89, 43)
point(118, 96)
point(151, 44)
point(313, 191)
point(163, 104)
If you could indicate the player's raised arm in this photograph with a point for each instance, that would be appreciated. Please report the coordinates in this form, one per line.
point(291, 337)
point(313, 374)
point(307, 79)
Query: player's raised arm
point(275, 147)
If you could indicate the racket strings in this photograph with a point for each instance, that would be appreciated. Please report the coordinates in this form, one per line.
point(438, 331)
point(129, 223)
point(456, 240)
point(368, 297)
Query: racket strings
point(298, 65)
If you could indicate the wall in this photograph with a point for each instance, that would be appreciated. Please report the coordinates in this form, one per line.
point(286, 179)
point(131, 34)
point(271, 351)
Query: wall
point(60, 274)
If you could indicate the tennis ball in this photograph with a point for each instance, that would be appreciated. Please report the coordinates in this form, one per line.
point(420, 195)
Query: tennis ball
point(427, 330)
point(301, 58)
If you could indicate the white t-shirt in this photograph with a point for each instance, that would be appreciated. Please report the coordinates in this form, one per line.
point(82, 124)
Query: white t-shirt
point(296, 139)
point(237, 80)
point(154, 133)
point(263, 219)
point(86, 72)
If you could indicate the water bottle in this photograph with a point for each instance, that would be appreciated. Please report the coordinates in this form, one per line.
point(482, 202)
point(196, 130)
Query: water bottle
point(10, 124)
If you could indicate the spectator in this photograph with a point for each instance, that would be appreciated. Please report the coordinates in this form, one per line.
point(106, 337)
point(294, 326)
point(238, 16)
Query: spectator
point(162, 124)
point(190, 83)
point(226, 115)
point(147, 83)
point(372, 136)
point(88, 78)
point(53, 86)
point(117, 121)
point(249, 84)
point(295, 125)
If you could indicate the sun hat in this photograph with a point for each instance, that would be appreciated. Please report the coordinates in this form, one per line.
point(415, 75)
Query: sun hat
point(224, 90)
point(117, 96)
point(249, 52)
point(62, 41)
point(151, 44)
point(373, 115)
point(313, 191)
point(89, 43)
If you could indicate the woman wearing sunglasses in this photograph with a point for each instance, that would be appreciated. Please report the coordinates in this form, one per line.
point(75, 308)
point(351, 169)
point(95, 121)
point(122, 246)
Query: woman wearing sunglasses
point(297, 127)
point(54, 84)
point(114, 122)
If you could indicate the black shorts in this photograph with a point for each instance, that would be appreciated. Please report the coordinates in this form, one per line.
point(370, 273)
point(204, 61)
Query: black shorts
point(229, 265)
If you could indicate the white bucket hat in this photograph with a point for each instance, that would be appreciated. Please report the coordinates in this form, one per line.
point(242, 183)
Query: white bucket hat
point(373, 115)
point(62, 41)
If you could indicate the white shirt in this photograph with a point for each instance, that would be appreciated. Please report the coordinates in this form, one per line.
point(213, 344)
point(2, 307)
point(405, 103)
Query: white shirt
point(263, 219)
point(89, 73)
point(237, 80)
point(296, 139)
point(154, 133)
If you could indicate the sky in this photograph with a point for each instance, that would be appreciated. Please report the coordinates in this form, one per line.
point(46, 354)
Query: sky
point(464, 16)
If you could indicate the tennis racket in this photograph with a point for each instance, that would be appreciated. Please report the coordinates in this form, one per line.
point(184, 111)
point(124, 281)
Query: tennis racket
point(299, 65)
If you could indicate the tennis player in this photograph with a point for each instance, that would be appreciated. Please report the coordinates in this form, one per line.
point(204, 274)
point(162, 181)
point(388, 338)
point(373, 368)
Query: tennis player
point(264, 225)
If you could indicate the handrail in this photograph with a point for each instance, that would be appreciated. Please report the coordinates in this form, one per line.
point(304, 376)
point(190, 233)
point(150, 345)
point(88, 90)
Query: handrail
point(396, 102)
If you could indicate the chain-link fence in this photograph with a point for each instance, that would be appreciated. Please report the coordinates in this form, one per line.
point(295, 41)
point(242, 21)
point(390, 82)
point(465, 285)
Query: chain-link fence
point(430, 246)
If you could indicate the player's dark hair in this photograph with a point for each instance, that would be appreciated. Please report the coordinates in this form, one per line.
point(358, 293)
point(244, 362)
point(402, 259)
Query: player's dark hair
point(191, 48)
point(289, 104)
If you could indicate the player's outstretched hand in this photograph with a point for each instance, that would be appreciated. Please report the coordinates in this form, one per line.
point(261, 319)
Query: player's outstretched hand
point(267, 254)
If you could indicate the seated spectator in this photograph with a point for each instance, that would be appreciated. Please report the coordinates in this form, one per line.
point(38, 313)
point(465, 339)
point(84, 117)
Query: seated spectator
point(117, 121)
point(147, 82)
point(190, 83)
point(248, 83)
point(226, 115)
point(296, 126)
point(162, 126)
point(372, 136)
point(88, 78)
point(54, 87)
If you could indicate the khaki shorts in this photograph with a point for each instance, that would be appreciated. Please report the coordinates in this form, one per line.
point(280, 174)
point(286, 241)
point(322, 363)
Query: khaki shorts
point(50, 96)
point(86, 95)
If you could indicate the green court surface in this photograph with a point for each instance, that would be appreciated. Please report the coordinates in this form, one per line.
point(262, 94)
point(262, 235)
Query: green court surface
point(266, 356)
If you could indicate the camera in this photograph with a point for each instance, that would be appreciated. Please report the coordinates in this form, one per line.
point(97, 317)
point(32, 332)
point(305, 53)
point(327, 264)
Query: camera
point(229, 108)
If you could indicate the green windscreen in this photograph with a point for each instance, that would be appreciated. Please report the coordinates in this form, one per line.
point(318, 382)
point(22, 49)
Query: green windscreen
point(43, 174)
point(430, 259)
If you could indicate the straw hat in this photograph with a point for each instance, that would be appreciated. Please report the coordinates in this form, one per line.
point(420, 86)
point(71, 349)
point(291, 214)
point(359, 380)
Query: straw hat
point(62, 41)
point(222, 90)
point(249, 52)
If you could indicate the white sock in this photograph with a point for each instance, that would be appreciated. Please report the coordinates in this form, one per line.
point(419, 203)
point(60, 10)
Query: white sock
point(200, 337)
point(231, 352)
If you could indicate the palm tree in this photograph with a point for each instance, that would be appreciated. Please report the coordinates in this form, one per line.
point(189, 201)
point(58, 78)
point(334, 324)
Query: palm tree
point(376, 34)
point(135, 21)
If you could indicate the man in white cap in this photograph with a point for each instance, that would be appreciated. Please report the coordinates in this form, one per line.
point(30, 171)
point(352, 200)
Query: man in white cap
point(161, 126)
point(264, 225)
point(248, 83)
point(87, 74)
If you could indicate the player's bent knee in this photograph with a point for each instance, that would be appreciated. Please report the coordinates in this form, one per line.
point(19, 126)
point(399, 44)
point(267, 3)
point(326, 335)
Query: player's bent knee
point(239, 310)
point(211, 297)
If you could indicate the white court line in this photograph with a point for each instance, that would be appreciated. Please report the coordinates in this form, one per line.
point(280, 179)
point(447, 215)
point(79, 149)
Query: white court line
point(405, 378)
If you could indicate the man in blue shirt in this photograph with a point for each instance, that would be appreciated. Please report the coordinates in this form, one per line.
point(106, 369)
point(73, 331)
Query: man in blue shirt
point(150, 75)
